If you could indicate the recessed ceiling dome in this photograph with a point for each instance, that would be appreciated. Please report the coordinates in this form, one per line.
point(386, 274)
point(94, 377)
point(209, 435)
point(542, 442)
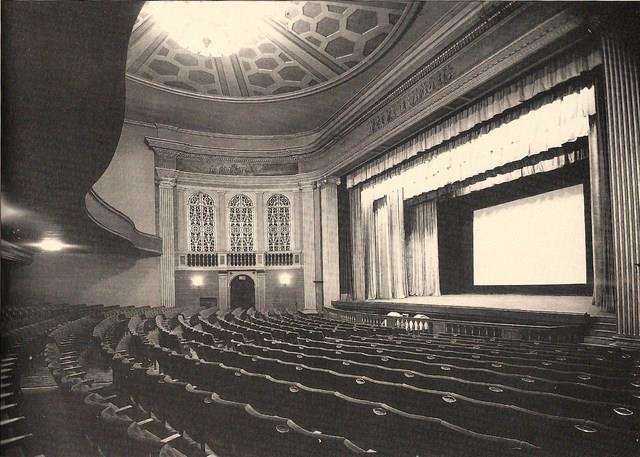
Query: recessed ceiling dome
point(258, 50)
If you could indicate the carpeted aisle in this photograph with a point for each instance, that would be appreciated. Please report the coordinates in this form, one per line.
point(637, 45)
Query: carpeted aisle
point(56, 431)
point(55, 427)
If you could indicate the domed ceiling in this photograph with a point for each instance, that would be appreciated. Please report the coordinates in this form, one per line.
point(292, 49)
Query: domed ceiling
point(259, 50)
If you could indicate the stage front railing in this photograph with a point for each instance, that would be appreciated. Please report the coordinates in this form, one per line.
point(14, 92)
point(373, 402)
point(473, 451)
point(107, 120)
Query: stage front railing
point(404, 322)
point(567, 333)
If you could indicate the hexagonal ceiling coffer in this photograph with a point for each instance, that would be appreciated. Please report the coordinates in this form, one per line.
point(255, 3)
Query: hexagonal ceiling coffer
point(296, 46)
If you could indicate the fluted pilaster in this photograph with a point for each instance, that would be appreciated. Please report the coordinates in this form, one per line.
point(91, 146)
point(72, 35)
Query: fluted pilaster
point(166, 187)
point(622, 91)
point(308, 248)
point(330, 252)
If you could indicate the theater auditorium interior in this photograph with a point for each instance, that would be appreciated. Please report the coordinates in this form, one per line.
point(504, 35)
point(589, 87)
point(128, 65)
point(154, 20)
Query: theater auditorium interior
point(271, 229)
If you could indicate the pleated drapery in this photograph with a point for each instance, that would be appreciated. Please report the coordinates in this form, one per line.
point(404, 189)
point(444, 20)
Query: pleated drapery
point(423, 271)
point(381, 269)
point(519, 95)
point(501, 141)
point(382, 254)
point(395, 206)
point(369, 234)
point(525, 134)
point(357, 245)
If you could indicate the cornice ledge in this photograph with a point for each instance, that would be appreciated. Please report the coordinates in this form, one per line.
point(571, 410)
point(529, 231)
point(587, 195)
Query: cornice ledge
point(536, 39)
point(179, 149)
point(393, 82)
point(232, 136)
point(328, 133)
point(166, 177)
point(409, 12)
point(297, 181)
point(117, 223)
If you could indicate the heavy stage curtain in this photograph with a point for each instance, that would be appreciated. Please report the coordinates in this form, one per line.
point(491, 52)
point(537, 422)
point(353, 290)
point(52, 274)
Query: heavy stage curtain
point(379, 245)
point(527, 128)
point(423, 272)
point(357, 245)
point(382, 253)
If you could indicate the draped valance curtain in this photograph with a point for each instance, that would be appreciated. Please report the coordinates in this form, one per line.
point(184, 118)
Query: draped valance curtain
point(560, 70)
point(544, 124)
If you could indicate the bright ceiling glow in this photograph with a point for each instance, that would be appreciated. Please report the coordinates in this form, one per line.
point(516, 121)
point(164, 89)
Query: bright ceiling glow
point(215, 28)
point(51, 245)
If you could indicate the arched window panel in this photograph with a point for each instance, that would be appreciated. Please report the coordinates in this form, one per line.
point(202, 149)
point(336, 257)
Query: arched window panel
point(201, 227)
point(278, 223)
point(241, 220)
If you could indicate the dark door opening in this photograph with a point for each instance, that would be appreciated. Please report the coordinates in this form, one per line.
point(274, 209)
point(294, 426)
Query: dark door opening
point(242, 292)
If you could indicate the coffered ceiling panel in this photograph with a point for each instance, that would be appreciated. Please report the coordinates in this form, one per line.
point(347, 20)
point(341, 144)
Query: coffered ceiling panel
point(240, 50)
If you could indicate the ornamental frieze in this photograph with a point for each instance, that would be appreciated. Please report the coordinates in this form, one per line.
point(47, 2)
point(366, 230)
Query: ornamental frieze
point(411, 98)
point(236, 168)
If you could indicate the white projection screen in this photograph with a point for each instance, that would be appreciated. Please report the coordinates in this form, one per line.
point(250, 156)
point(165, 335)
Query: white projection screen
point(538, 240)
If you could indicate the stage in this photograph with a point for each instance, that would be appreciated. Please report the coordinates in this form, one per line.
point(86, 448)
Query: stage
point(549, 303)
point(502, 307)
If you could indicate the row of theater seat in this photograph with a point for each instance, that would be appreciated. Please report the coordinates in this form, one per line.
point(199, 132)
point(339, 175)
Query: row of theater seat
point(539, 396)
point(14, 427)
point(117, 425)
point(305, 385)
point(616, 422)
point(25, 329)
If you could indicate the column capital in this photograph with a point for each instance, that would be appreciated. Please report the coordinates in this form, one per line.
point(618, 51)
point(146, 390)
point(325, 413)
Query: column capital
point(306, 186)
point(328, 180)
point(166, 178)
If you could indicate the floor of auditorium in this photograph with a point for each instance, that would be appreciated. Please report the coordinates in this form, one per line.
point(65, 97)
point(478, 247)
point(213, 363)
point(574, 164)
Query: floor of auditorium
point(575, 304)
point(53, 418)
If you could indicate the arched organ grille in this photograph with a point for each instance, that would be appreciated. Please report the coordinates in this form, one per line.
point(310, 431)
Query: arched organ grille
point(201, 230)
point(241, 224)
point(278, 223)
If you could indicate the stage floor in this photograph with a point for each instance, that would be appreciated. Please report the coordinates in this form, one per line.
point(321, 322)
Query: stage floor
point(545, 303)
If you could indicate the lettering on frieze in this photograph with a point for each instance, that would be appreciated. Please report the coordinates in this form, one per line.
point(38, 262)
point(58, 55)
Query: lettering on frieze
point(411, 98)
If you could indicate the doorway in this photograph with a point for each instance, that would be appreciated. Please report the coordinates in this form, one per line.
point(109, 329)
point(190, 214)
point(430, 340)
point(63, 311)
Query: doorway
point(242, 292)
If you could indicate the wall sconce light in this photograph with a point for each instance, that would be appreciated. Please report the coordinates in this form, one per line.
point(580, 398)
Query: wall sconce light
point(285, 279)
point(197, 280)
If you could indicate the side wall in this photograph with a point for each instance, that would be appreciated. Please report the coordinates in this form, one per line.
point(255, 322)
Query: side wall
point(188, 295)
point(129, 183)
point(111, 279)
point(107, 279)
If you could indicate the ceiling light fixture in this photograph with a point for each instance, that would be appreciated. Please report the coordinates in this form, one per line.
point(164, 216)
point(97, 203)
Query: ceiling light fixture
point(51, 245)
point(215, 28)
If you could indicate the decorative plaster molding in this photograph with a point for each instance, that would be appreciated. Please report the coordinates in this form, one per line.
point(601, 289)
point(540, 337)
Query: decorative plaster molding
point(326, 134)
point(411, 98)
point(388, 107)
point(329, 180)
point(166, 177)
point(116, 222)
point(442, 77)
point(178, 149)
point(528, 44)
point(408, 14)
point(231, 136)
point(190, 180)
